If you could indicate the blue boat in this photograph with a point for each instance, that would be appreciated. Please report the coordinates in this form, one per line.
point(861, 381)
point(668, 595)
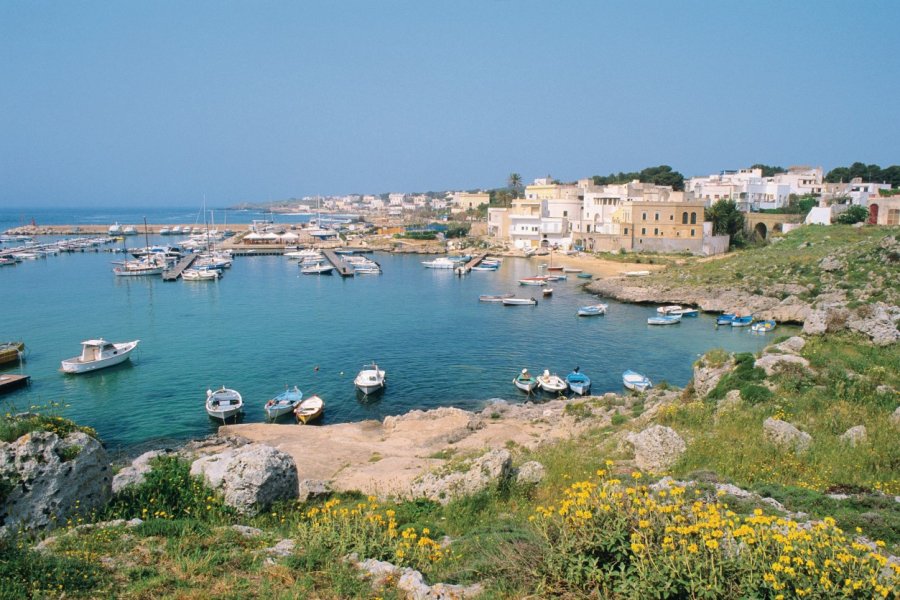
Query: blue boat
point(685, 312)
point(594, 310)
point(284, 403)
point(578, 382)
point(742, 321)
point(666, 320)
point(635, 381)
point(725, 319)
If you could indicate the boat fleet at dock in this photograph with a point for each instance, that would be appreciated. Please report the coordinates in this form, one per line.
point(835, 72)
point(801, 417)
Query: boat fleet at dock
point(577, 382)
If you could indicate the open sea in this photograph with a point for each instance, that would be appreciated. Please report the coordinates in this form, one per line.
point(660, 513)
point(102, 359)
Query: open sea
point(264, 326)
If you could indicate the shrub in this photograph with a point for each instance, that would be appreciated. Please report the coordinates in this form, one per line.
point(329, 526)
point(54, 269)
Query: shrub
point(12, 427)
point(28, 574)
point(618, 419)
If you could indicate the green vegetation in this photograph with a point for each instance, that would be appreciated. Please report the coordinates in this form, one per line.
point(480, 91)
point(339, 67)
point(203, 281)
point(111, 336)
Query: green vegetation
point(661, 175)
point(797, 205)
point(12, 427)
point(869, 173)
point(727, 219)
point(854, 214)
point(768, 171)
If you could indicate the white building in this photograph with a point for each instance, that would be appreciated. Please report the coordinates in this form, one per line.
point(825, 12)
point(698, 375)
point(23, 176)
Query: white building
point(396, 199)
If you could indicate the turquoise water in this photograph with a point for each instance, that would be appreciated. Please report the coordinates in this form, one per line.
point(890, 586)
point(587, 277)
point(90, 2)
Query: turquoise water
point(263, 326)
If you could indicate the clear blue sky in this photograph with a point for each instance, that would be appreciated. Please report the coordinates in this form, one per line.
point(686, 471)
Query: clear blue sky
point(163, 102)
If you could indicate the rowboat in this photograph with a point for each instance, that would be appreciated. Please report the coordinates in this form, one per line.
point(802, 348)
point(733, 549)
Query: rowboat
point(11, 352)
point(309, 410)
point(578, 382)
point(493, 298)
point(667, 320)
point(742, 321)
point(533, 281)
point(283, 403)
point(571, 270)
point(685, 312)
point(551, 383)
point(525, 381)
point(725, 319)
point(635, 381)
point(763, 326)
point(98, 354)
point(547, 291)
point(519, 302)
point(223, 403)
point(594, 310)
point(584, 276)
point(668, 310)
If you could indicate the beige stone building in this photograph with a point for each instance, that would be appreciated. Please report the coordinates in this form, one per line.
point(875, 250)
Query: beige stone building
point(463, 201)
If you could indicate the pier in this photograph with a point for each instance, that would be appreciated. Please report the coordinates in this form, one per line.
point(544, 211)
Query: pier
point(10, 382)
point(339, 265)
point(175, 272)
point(466, 268)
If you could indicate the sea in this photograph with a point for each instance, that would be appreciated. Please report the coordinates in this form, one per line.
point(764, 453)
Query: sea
point(264, 326)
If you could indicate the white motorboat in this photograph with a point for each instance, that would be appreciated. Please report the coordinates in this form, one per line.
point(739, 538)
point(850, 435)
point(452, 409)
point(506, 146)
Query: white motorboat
point(533, 281)
point(493, 297)
point(98, 354)
point(440, 263)
point(309, 409)
point(519, 302)
point(552, 383)
point(223, 403)
point(115, 229)
point(129, 230)
point(283, 403)
point(200, 274)
point(317, 269)
point(525, 381)
point(669, 310)
point(370, 379)
point(635, 381)
point(667, 320)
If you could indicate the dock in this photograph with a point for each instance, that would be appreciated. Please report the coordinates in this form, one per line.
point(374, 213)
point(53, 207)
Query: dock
point(339, 265)
point(175, 272)
point(472, 263)
point(10, 382)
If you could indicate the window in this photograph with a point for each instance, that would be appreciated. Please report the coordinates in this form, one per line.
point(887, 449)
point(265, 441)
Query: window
point(655, 231)
point(565, 213)
point(692, 233)
point(588, 228)
point(656, 217)
point(693, 218)
point(893, 216)
point(671, 217)
point(643, 216)
point(684, 218)
point(626, 231)
point(643, 230)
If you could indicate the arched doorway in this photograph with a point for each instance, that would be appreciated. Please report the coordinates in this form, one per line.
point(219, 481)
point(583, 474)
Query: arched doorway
point(760, 230)
point(873, 214)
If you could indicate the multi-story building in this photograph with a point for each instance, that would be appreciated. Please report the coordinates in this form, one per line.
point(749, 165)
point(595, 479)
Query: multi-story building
point(463, 201)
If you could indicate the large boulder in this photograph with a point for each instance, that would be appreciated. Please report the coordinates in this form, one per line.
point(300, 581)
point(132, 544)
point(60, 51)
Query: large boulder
point(136, 472)
point(878, 321)
point(895, 417)
point(825, 320)
point(530, 473)
point(52, 479)
point(773, 363)
point(855, 435)
point(707, 375)
point(251, 477)
point(785, 435)
point(792, 345)
point(473, 476)
point(656, 448)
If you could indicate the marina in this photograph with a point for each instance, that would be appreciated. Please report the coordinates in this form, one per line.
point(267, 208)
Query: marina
point(266, 324)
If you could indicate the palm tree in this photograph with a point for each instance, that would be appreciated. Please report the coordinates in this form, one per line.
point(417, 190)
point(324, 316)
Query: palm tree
point(515, 182)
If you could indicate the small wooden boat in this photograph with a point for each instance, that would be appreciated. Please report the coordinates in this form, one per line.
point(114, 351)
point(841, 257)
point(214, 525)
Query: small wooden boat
point(554, 268)
point(578, 382)
point(594, 310)
point(547, 291)
point(636, 273)
point(519, 302)
point(685, 312)
point(763, 326)
point(525, 382)
point(223, 403)
point(584, 276)
point(572, 270)
point(98, 354)
point(742, 321)
point(283, 403)
point(11, 352)
point(668, 310)
point(309, 409)
point(485, 268)
point(557, 277)
point(667, 320)
point(635, 381)
point(533, 281)
point(370, 379)
point(493, 298)
point(725, 319)
point(552, 383)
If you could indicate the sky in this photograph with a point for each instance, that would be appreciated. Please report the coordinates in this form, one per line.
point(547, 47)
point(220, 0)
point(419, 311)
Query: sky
point(142, 103)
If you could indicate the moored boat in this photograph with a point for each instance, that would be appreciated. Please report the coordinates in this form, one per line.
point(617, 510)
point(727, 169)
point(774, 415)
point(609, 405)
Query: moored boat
point(440, 263)
point(635, 381)
point(552, 383)
point(584, 276)
point(547, 291)
point(283, 403)
point(223, 403)
point(725, 319)
point(309, 409)
point(317, 269)
point(578, 382)
point(519, 302)
point(593, 310)
point(525, 381)
point(98, 354)
point(533, 281)
point(200, 274)
point(742, 321)
point(685, 312)
point(666, 320)
point(572, 270)
point(11, 352)
point(493, 298)
point(763, 326)
point(370, 379)
point(668, 310)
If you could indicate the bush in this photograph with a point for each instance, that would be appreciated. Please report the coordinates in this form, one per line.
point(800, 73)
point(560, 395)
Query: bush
point(744, 373)
point(29, 574)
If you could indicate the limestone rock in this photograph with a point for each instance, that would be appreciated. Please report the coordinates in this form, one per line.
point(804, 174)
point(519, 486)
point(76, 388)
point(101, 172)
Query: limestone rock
point(792, 345)
point(656, 448)
point(825, 320)
point(895, 417)
point(878, 321)
point(251, 477)
point(530, 473)
point(782, 433)
point(313, 489)
point(831, 263)
point(135, 473)
point(411, 582)
point(707, 376)
point(48, 489)
point(247, 532)
point(855, 435)
point(283, 548)
point(772, 363)
point(730, 402)
point(476, 475)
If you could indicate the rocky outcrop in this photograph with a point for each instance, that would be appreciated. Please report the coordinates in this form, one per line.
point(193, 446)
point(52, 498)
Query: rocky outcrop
point(855, 435)
point(731, 401)
point(792, 345)
point(251, 477)
point(52, 479)
point(473, 476)
point(656, 448)
point(895, 417)
point(785, 435)
point(313, 489)
point(707, 376)
point(410, 582)
point(530, 473)
point(878, 321)
point(135, 473)
point(773, 363)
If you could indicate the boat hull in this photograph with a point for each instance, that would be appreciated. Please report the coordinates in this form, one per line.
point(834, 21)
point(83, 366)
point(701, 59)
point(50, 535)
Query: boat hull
point(527, 385)
point(636, 381)
point(309, 410)
point(76, 366)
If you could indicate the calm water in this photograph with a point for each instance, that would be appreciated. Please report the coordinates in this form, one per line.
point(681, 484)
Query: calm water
point(263, 326)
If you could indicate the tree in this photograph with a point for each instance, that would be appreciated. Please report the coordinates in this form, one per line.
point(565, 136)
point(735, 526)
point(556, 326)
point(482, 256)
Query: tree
point(768, 171)
point(854, 214)
point(515, 182)
point(661, 175)
point(501, 198)
point(727, 219)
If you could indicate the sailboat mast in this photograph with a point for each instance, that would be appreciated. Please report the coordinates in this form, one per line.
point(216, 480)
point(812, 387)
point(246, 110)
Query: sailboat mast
point(146, 235)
